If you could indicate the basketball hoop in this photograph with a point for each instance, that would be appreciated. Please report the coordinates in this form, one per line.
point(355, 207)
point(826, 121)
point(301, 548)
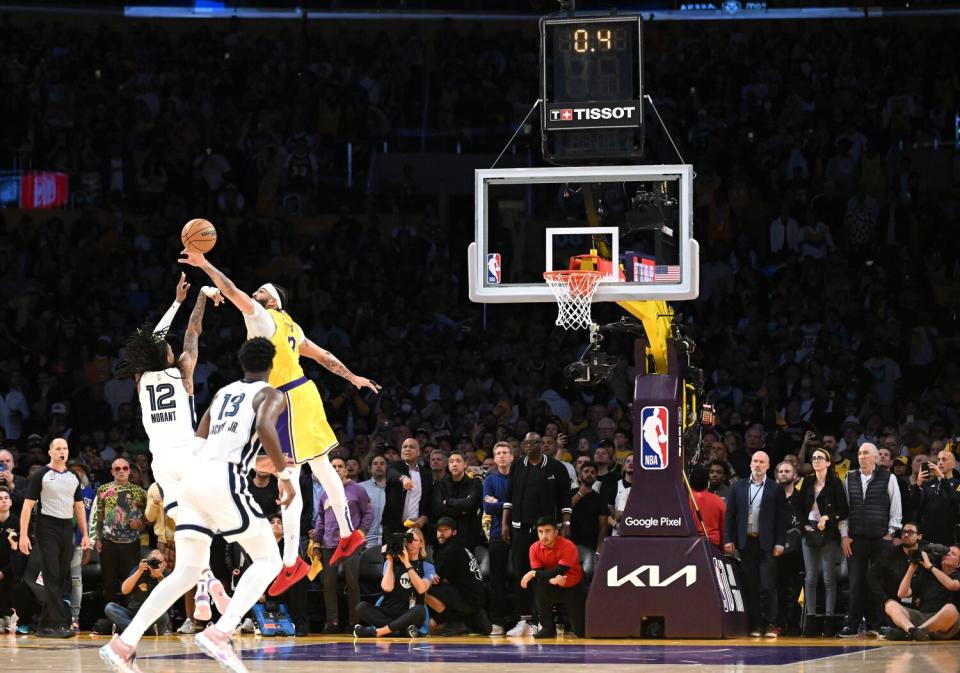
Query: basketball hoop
point(574, 292)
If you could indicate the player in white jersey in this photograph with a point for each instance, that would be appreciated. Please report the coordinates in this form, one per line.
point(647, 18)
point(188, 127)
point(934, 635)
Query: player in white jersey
point(165, 390)
point(215, 499)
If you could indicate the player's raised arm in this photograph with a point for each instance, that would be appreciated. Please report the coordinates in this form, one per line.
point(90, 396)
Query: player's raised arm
point(191, 341)
point(330, 362)
point(237, 297)
point(164, 325)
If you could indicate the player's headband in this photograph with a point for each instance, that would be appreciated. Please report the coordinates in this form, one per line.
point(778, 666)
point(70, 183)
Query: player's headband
point(272, 291)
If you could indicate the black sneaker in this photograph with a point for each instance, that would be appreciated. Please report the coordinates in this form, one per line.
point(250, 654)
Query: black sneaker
point(360, 631)
point(455, 629)
point(897, 634)
point(545, 633)
point(848, 632)
point(330, 628)
point(919, 635)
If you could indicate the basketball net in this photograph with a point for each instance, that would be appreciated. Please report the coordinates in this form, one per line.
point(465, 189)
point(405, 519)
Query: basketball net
point(574, 292)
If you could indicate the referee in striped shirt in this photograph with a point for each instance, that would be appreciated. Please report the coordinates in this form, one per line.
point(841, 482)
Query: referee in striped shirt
point(57, 490)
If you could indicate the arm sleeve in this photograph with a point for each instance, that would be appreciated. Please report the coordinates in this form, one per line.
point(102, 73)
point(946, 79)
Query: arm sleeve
point(366, 510)
point(163, 325)
point(563, 490)
point(260, 324)
point(491, 508)
point(471, 503)
point(844, 525)
point(34, 486)
point(896, 507)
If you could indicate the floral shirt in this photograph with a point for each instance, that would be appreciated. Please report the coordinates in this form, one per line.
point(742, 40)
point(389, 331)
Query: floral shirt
point(119, 513)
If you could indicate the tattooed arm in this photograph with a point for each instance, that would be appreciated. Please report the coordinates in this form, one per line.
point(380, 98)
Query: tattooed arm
point(191, 340)
point(237, 297)
point(330, 362)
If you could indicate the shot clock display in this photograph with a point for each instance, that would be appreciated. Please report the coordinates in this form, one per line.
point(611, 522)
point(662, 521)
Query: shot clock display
point(592, 87)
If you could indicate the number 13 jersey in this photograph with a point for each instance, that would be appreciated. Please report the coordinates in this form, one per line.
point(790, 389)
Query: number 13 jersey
point(232, 423)
point(168, 415)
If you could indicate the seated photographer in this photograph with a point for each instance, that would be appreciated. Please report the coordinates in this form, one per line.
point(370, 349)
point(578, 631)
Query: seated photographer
point(456, 595)
point(932, 614)
point(555, 565)
point(406, 578)
point(142, 580)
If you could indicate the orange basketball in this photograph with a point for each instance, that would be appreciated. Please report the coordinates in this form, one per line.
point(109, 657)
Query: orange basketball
point(198, 235)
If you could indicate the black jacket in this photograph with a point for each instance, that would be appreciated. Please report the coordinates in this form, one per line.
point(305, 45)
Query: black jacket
point(773, 517)
point(548, 491)
point(936, 505)
point(831, 502)
point(458, 566)
point(461, 500)
point(395, 496)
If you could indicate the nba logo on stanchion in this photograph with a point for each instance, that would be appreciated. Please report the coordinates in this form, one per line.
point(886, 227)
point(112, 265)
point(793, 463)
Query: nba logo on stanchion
point(493, 268)
point(655, 440)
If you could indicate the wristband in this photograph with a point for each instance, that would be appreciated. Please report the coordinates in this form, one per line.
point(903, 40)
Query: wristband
point(286, 474)
point(209, 291)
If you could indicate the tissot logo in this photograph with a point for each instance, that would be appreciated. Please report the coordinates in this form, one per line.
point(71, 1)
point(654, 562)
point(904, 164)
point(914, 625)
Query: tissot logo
point(588, 113)
point(652, 574)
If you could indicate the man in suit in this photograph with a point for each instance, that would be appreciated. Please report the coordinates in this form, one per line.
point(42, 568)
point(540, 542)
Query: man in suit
point(408, 491)
point(755, 526)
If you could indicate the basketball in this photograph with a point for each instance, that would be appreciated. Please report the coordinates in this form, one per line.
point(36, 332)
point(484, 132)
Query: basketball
point(198, 235)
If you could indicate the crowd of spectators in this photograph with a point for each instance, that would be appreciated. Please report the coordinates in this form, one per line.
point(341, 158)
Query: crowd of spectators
point(829, 281)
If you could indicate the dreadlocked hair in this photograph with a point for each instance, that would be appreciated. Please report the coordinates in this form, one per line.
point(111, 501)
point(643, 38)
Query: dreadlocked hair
point(143, 352)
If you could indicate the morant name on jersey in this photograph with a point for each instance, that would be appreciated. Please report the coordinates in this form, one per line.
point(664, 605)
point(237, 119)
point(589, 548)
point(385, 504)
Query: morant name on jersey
point(167, 409)
point(163, 417)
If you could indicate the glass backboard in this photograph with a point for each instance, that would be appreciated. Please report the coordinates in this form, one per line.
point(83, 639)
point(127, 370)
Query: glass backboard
point(633, 224)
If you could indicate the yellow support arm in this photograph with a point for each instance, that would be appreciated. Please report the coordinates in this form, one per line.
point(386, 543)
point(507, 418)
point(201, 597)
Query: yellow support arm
point(656, 317)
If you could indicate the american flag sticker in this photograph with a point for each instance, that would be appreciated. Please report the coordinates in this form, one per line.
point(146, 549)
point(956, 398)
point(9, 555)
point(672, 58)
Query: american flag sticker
point(667, 274)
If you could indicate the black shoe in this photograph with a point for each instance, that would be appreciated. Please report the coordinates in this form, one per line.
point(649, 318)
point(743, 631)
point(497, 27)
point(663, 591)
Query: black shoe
point(545, 633)
point(61, 632)
point(360, 631)
point(329, 628)
point(829, 629)
point(413, 631)
point(454, 629)
point(482, 623)
point(897, 634)
point(848, 632)
point(301, 629)
point(919, 635)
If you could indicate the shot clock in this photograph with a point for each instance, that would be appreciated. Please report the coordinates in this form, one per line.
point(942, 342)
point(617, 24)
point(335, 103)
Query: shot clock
point(592, 88)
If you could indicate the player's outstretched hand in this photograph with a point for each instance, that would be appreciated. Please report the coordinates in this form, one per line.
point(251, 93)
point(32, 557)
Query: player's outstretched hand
point(192, 258)
point(286, 492)
point(364, 382)
point(215, 295)
point(182, 287)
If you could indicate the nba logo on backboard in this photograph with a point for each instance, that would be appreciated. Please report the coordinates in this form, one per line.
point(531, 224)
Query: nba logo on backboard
point(493, 268)
point(655, 439)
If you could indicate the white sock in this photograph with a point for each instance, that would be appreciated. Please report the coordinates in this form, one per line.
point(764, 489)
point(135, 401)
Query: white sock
point(193, 553)
point(333, 485)
point(291, 522)
point(254, 582)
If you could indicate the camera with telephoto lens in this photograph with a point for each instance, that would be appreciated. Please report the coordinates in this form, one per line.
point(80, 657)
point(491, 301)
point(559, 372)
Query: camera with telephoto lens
point(395, 542)
point(153, 563)
point(935, 552)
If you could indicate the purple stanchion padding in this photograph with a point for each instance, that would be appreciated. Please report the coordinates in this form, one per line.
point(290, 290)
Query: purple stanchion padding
point(659, 567)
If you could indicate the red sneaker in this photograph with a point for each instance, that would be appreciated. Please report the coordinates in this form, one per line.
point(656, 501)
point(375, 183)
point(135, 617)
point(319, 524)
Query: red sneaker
point(348, 546)
point(288, 577)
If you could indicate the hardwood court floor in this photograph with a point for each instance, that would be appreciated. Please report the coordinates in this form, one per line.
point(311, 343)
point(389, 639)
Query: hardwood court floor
point(177, 654)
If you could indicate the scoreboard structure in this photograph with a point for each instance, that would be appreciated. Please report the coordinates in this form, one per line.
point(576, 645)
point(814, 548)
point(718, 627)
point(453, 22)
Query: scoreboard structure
point(592, 89)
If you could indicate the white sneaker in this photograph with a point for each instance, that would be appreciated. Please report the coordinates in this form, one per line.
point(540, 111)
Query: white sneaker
point(521, 629)
point(201, 608)
point(248, 626)
point(220, 648)
point(12, 621)
point(497, 630)
point(188, 627)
